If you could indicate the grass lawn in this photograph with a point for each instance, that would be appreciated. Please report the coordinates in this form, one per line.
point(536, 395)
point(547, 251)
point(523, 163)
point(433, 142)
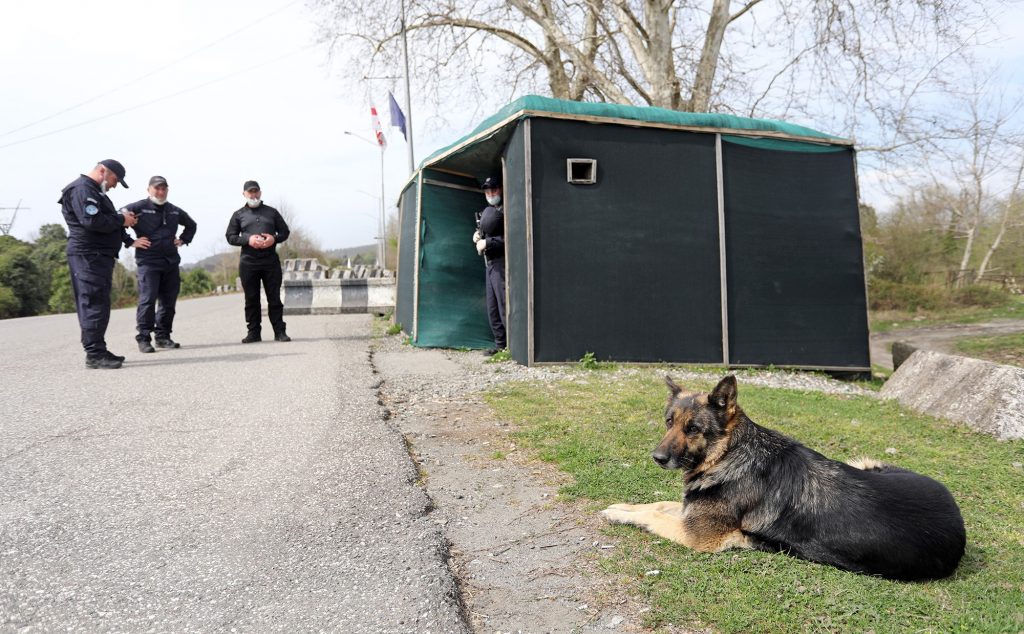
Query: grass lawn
point(1008, 349)
point(884, 321)
point(601, 428)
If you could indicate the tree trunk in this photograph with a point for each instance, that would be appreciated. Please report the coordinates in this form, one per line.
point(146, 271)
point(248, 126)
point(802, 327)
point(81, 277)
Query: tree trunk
point(700, 99)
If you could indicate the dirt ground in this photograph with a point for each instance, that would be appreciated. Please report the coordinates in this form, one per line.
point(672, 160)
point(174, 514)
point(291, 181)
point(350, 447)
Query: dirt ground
point(524, 561)
point(939, 338)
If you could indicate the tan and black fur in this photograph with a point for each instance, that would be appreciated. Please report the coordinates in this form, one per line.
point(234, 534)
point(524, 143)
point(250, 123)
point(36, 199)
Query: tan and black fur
point(750, 487)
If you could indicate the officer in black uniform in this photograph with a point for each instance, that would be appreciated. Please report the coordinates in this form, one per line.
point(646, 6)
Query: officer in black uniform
point(490, 243)
point(258, 228)
point(95, 234)
point(156, 254)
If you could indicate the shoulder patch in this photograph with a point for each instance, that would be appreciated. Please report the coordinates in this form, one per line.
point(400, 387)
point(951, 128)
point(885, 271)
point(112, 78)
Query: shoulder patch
point(92, 210)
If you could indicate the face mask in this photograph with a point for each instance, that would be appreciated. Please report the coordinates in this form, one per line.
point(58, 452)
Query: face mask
point(494, 200)
point(253, 203)
point(157, 201)
point(103, 186)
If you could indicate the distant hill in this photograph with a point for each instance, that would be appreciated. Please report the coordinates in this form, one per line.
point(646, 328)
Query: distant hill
point(230, 258)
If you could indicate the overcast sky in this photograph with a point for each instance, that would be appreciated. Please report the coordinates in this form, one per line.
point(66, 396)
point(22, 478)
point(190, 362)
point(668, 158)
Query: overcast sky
point(240, 92)
point(271, 109)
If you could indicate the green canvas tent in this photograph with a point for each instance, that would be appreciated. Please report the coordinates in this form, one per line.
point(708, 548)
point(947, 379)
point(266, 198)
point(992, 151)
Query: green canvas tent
point(642, 234)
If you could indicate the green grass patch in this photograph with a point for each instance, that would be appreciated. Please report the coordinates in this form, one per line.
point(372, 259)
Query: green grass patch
point(884, 320)
point(1008, 349)
point(499, 356)
point(601, 428)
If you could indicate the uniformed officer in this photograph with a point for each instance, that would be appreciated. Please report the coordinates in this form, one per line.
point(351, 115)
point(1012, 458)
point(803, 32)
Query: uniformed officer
point(490, 243)
point(156, 254)
point(258, 228)
point(95, 233)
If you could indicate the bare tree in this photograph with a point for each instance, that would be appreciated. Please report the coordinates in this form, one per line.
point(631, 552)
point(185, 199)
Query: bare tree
point(848, 65)
point(973, 151)
point(1009, 214)
point(300, 243)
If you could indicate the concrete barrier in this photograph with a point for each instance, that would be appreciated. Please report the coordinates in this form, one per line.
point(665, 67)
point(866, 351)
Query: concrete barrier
point(985, 396)
point(334, 296)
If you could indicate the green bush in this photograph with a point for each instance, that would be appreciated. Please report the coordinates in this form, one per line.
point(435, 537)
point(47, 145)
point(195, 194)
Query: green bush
point(886, 295)
point(10, 305)
point(978, 295)
point(196, 282)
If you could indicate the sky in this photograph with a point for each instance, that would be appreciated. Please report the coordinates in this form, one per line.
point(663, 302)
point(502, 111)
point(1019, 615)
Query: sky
point(211, 94)
point(235, 91)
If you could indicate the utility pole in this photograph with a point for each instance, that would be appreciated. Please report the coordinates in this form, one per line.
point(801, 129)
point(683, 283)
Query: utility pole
point(6, 227)
point(408, 94)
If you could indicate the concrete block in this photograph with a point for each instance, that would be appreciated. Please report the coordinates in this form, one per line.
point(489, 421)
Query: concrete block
point(985, 396)
point(900, 351)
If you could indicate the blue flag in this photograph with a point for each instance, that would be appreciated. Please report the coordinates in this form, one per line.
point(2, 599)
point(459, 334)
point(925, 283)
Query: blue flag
point(397, 117)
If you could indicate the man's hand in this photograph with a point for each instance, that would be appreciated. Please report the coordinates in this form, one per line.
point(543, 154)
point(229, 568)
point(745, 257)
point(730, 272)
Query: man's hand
point(256, 241)
point(476, 236)
point(142, 243)
point(129, 218)
point(480, 246)
point(268, 240)
point(178, 242)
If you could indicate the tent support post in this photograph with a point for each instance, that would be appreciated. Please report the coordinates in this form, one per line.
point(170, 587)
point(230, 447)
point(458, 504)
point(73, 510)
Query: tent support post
point(719, 173)
point(528, 165)
point(416, 259)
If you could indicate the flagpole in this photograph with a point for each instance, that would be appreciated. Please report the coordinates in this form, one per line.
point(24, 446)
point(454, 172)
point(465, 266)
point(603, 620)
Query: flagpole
point(383, 237)
point(408, 97)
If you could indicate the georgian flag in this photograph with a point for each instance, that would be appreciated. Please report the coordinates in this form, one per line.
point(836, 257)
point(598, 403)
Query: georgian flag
point(377, 131)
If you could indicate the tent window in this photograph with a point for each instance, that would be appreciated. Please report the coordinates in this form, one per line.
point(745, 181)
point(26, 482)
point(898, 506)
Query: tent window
point(581, 171)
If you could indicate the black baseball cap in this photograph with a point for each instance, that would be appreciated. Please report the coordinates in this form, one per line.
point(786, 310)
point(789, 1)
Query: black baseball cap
point(492, 182)
point(157, 180)
point(250, 185)
point(116, 168)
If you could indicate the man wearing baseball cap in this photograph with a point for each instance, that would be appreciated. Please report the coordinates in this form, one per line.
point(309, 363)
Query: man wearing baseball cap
point(489, 239)
point(95, 234)
point(258, 228)
point(156, 254)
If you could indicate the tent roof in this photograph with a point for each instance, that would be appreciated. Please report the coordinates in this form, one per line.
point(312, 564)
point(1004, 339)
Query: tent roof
point(476, 150)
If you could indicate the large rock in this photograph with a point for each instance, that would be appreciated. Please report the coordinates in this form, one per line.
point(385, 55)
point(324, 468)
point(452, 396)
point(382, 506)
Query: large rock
point(985, 396)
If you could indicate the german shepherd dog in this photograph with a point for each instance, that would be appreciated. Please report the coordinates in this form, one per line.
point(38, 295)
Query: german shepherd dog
point(746, 486)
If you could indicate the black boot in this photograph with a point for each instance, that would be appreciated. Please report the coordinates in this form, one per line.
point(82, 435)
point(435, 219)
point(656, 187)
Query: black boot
point(252, 337)
point(167, 343)
point(145, 345)
point(102, 361)
point(281, 336)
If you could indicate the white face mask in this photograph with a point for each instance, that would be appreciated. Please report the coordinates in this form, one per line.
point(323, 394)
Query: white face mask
point(157, 201)
point(103, 186)
point(253, 203)
point(494, 201)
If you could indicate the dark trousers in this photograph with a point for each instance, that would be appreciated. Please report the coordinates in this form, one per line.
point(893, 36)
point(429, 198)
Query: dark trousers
point(158, 295)
point(92, 276)
point(496, 300)
point(270, 276)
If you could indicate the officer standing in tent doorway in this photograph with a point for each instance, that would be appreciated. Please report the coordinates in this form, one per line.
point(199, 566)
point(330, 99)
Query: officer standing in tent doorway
point(156, 256)
point(490, 243)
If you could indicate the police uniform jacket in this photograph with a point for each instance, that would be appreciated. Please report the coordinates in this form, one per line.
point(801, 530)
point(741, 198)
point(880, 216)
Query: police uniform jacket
point(94, 226)
point(492, 228)
point(160, 224)
point(247, 222)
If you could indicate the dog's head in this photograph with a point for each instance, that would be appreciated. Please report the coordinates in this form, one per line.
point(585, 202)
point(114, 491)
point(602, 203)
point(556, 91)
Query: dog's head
point(698, 425)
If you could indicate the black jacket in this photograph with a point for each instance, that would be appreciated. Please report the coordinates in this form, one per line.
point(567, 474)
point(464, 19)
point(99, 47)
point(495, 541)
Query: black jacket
point(492, 228)
point(160, 224)
point(94, 226)
point(247, 222)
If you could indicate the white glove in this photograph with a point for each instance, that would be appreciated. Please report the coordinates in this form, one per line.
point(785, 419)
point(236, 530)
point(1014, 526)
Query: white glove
point(480, 246)
point(476, 236)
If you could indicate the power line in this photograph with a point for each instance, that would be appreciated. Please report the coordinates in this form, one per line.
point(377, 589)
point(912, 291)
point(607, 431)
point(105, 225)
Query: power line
point(159, 99)
point(152, 72)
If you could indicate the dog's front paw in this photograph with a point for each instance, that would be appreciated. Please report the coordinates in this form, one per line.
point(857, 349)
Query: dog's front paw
point(617, 514)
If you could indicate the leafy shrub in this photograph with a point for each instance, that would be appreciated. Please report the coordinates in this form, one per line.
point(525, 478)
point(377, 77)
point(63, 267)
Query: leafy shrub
point(886, 295)
point(978, 295)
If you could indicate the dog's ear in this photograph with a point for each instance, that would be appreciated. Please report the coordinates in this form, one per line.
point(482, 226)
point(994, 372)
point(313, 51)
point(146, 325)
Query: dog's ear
point(675, 389)
point(724, 394)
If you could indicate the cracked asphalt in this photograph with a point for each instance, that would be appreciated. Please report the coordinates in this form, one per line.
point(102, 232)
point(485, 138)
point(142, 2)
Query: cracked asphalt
point(217, 487)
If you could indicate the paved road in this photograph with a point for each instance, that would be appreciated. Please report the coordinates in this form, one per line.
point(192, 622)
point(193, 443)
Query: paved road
point(938, 338)
point(218, 487)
